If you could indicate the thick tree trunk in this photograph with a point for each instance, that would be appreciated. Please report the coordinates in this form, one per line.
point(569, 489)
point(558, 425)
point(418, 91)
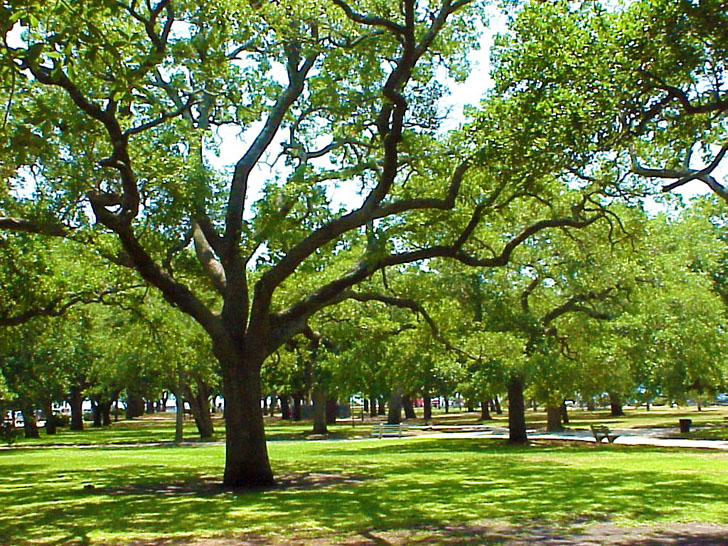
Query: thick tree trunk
point(134, 405)
point(394, 417)
point(564, 414)
point(409, 407)
point(497, 405)
point(246, 453)
point(553, 419)
point(285, 408)
point(29, 424)
point(470, 406)
point(615, 403)
point(365, 405)
point(381, 410)
point(516, 412)
point(96, 410)
point(106, 412)
point(297, 407)
point(50, 423)
point(76, 402)
point(319, 411)
point(427, 407)
point(332, 410)
point(485, 411)
point(373, 407)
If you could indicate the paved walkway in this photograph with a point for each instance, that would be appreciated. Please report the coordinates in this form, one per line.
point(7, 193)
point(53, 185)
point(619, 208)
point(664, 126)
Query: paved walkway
point(634, 437)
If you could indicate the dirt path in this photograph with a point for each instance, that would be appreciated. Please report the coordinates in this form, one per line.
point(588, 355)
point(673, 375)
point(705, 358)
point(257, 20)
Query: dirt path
point(495, 533)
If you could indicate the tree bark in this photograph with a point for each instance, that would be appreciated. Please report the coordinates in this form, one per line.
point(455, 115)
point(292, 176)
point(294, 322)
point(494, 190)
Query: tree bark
point(285, 408)
point(29, 424)
point(590, 406)
point(485, 411)
point(394, 416)
point(373, 407)
point(381, 409)
point(179, 416)
point(564, 414)
point(447, 404)
point(553, 419)
point(319, 411)
point(497, 405)
point(246, 453)
point(96, 410)
point(332, 410)
point(106, 412)
point(76, 403)
point(365, 404)
point(200, 407)
point(50, 426)
point(427, 407)
point(516, 412)
point(615, 403)
point(409, 407)
point(297, 407)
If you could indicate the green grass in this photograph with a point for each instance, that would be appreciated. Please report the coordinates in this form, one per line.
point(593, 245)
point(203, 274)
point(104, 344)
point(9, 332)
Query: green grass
point(115, 496)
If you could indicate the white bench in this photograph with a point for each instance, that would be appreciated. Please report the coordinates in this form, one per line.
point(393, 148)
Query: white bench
point(383, 429)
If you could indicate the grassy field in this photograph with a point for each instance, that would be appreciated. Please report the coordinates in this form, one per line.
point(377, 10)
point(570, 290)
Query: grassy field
point(76, 491)
point(338, 489)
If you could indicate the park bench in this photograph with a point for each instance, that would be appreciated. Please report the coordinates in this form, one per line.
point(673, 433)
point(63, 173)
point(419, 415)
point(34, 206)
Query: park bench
point(383, 429)
point(601, 432)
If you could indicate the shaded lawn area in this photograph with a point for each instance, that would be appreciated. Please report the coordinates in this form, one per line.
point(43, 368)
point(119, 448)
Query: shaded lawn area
point(160, 428)
point(336, 489)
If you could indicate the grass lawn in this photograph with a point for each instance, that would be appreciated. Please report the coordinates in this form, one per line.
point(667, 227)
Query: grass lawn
point(338, 489)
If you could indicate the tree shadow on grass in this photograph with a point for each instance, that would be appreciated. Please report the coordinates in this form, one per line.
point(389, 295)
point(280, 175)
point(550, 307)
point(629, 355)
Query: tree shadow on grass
point(376, 488)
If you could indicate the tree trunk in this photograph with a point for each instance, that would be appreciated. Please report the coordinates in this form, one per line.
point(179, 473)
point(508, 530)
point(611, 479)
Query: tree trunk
point(516, 412)
point(50, 426)
point(179, 416)
point(470, 406)
point(149, 406)
point(590, 406)
point(29, 424)
point(615, 402)
point(373, 407)
point(409, 407)
point(106, 412)
point(246, 453)
point(332, 410)
point(297, 407)
point(96, 410)
point(564, 414)
point(447, 404)
point(76, 402)
point(285, 408)
point(200, 407)
point(319, 411)
point(365, 401)
point(134, 405)
point(273, 405)
point(394, 417)
point(427, 407)
point(553, 418)
point(381, 410)
point(485, 411)
point(265, 405)
point(497, 405)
